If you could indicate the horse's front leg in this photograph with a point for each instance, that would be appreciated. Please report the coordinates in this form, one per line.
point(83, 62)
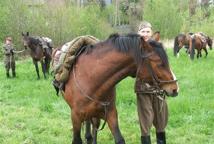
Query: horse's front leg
point(76, 128)
point(43, 68)
point(198, 53)
point(37, 68)
point(112, 121)
point(205, 52)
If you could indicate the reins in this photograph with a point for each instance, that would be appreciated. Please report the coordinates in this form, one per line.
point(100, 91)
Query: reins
point(21, 51)
point(156, 90)
point(104, 104)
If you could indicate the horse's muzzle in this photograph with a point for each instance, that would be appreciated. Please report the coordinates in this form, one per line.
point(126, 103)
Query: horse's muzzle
point(174, 93)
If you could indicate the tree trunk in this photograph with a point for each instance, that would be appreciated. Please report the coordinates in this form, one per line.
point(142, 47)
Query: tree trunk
point(192, 7)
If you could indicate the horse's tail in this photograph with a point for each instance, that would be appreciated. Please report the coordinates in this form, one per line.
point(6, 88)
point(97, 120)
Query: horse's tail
point(192, 49)
point(176, 47)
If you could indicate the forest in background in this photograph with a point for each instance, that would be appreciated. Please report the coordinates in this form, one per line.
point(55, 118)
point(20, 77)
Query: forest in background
point(62, 20)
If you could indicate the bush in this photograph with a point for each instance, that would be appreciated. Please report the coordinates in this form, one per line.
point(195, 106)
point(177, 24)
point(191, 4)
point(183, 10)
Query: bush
point(60, 23)
point(164, 16)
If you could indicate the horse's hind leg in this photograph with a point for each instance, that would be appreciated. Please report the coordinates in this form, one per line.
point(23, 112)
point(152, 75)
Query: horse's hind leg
point(47, 64)
point(37, 68)
point(95, 124)
point(88, 135)
point(92, 138)
point(43, 68)
point(76, 129)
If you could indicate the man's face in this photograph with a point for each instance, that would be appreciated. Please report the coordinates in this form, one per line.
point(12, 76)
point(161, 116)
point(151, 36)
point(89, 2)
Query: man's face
point(146, 33)
point(8, 42)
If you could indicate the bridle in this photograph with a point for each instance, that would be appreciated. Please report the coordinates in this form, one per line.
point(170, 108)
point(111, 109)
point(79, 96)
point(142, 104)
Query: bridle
point(156, 89)
point(105, 104)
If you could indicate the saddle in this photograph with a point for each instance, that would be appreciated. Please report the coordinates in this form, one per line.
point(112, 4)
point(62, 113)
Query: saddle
point(64, 58)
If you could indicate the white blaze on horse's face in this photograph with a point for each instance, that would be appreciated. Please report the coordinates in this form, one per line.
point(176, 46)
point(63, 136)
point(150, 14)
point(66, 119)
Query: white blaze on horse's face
point(25, 43)
point(163, 75)
point(171, 87)
point(174, 78)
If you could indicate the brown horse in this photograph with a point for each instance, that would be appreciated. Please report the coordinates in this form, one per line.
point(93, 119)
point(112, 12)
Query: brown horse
point(186, 40)
point(90, 90)
point(182, 40)
point(199, 44)
point(38, 53)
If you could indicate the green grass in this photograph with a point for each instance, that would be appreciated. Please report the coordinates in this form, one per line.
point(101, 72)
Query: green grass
point(31, 113)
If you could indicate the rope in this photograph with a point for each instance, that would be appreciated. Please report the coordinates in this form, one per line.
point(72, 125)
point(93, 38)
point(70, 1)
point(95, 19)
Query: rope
point(104, 104)
point(17, 52)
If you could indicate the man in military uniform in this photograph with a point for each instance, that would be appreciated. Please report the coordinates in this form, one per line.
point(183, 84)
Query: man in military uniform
point(9, 59)
point(152, 107)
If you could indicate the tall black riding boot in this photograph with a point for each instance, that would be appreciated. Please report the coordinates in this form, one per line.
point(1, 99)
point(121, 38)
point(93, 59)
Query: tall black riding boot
point(145, 140)
point(161, 138)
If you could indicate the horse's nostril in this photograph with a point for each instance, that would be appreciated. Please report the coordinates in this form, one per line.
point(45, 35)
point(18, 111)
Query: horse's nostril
point(174, 90)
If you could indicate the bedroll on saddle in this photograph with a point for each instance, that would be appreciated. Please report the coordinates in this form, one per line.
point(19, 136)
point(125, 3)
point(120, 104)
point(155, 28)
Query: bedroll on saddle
point(64, 57)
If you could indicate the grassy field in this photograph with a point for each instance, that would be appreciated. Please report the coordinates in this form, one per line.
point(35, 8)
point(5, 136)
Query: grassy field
point(31, 113)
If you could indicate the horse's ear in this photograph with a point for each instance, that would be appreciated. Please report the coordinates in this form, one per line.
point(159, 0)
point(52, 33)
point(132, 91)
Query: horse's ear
point(145, 45)
point(27, 33)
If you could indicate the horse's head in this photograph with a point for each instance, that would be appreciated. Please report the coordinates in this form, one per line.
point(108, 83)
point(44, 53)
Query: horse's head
point(25, 39)
point(182, 40)
point(179, 42)
point(209, 42)
point(155, 69)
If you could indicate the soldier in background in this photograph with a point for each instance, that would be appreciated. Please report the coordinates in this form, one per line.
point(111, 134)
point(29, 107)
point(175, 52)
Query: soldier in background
point(9, 59)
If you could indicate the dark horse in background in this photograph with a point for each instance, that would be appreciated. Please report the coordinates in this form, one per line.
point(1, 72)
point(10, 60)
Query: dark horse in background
point(90, 90)
point(191, 42)
point(182, 40)
point(38, 53)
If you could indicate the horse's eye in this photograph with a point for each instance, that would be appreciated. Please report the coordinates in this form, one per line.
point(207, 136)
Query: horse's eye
point(161, 65)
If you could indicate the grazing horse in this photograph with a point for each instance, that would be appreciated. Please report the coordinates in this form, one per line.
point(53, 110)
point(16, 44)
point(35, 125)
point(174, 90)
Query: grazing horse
point(199, 44)
point(38, 53)
point(187, 41)
point(182, 40)
point(90, 90)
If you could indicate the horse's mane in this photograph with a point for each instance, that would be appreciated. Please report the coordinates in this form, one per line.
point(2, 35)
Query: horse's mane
point(159, 49)
point(128, 43)
point(132, 43)
point(34, 40)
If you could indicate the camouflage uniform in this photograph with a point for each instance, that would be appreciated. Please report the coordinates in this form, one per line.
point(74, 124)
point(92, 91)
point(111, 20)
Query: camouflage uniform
point(9, 59)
